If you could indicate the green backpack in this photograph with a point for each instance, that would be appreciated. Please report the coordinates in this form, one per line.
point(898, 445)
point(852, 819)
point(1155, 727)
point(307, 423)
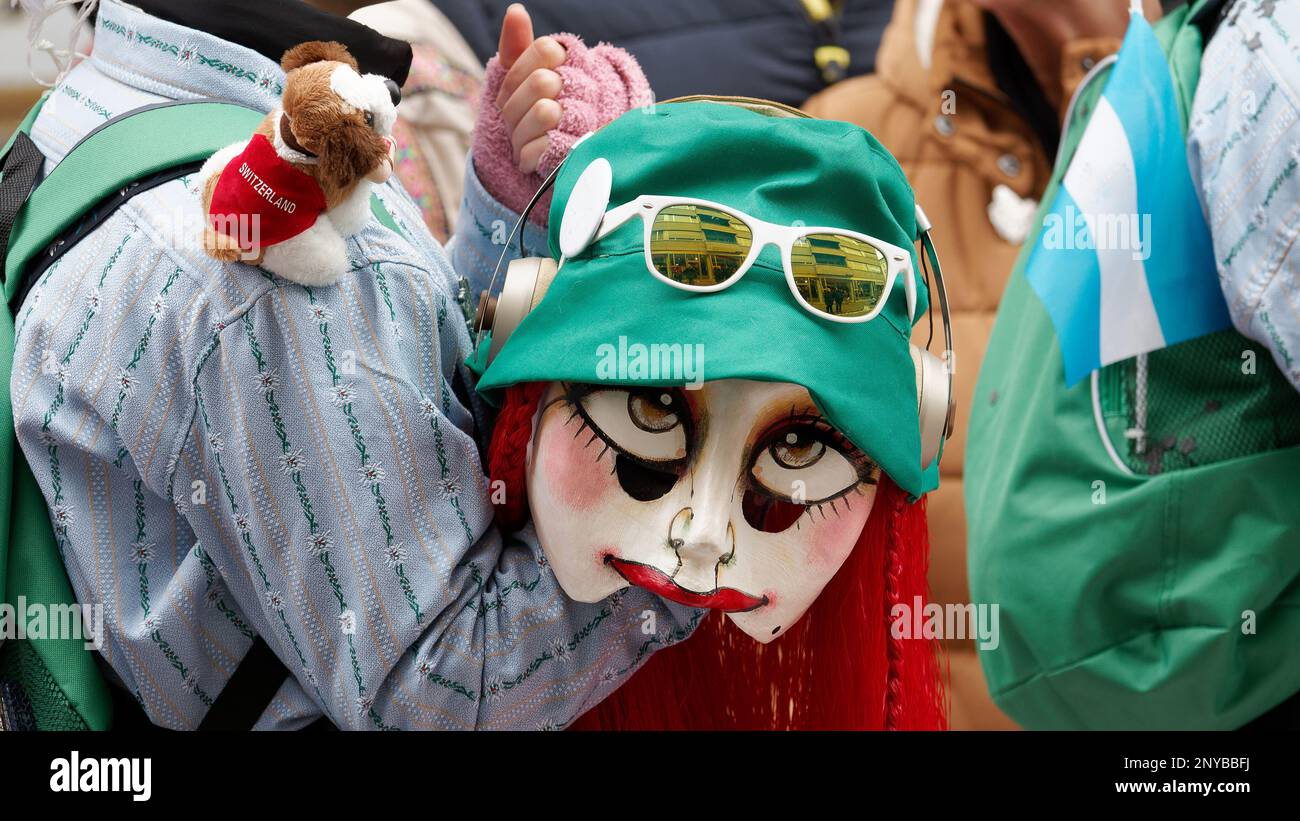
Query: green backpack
point(1153, 586)
point(53, 683)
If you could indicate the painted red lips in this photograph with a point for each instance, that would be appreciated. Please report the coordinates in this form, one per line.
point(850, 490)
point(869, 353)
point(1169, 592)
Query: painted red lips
point(727, 599)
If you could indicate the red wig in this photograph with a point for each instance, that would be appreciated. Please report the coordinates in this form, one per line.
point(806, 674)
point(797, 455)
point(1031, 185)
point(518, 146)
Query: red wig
point(838, 668)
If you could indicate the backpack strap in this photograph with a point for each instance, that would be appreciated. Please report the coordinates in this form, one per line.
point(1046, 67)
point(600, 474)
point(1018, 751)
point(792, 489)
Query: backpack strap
point(14, 190)
point(22, 165)
point(101, 171)
point(97, 176)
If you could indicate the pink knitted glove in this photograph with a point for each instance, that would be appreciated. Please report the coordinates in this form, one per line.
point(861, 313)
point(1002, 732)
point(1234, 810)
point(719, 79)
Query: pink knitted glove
point(599, 84)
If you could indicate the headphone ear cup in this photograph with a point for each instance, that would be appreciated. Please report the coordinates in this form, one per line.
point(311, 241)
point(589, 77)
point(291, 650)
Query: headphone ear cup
point(546, 271)
point(525, 284)
point(934, 402)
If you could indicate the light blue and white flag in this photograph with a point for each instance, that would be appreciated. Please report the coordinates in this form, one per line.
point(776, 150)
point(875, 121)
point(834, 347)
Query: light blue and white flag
point(1124, 263)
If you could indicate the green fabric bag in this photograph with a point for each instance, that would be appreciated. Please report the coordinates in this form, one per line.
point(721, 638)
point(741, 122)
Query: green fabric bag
point(1126, 580)
point(55, 683)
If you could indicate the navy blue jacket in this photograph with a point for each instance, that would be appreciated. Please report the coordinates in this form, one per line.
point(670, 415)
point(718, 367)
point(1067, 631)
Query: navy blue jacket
point(751, 48)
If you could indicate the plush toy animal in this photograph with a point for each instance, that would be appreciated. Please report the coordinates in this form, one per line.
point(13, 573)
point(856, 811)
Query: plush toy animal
point(288, 198)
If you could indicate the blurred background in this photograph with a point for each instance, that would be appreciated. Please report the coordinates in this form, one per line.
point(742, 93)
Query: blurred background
point(17, 88)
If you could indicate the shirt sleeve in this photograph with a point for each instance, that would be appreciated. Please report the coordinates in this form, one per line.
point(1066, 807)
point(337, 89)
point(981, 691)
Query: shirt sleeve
point(482, 231)
point(348, 512)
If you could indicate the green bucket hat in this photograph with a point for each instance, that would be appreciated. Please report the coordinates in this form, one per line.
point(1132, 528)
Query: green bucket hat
point(784, 170)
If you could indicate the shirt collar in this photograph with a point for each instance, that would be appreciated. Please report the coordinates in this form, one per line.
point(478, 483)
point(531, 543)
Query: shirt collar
point(228, 49)
point(272, 27)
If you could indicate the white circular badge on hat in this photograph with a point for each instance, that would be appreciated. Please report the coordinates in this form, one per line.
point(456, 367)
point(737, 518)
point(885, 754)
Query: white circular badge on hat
point(586, 207)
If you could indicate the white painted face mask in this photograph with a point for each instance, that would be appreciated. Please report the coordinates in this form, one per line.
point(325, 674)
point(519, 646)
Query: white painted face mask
point(738, 496)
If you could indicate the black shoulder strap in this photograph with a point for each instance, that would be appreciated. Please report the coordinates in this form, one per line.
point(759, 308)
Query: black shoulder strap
point(22, 167)
point(1210, 16)
point(254, 683)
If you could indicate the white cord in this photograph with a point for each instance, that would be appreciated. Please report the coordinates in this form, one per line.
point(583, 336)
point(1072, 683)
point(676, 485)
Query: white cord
point(39, 11)
point(1138, 433)
point(1102, 431)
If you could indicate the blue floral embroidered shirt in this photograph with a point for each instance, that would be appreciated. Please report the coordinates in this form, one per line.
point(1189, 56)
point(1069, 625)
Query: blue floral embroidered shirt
point(226, 455)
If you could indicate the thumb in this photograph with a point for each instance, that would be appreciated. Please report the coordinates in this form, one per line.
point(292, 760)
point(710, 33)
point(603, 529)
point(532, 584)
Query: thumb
point(516, 35)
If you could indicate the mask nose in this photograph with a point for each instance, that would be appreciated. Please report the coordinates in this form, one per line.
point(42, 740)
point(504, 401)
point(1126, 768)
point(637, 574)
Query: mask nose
point(702, 539)
point(394, 93)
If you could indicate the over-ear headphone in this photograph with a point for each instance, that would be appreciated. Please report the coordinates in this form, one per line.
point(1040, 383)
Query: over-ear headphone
point(527, 279)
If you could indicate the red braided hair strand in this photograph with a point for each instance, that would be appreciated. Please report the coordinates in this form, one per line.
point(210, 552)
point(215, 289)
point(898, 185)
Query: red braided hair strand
point(894, 554)
point(508, 449)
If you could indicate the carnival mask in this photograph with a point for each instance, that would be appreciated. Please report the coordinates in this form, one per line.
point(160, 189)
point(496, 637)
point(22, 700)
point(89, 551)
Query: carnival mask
point(739, 496)
point(732, 230)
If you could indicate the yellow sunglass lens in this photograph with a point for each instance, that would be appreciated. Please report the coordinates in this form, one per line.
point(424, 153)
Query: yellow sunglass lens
point(839, 275)
point(695, 245)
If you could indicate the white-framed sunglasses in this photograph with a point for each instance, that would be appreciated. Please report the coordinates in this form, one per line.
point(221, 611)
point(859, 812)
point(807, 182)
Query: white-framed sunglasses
point(702, 246)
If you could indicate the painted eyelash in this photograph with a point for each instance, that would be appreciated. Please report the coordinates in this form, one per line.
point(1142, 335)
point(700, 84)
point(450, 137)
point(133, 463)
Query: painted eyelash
point(585, 425)
point(820, 506)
